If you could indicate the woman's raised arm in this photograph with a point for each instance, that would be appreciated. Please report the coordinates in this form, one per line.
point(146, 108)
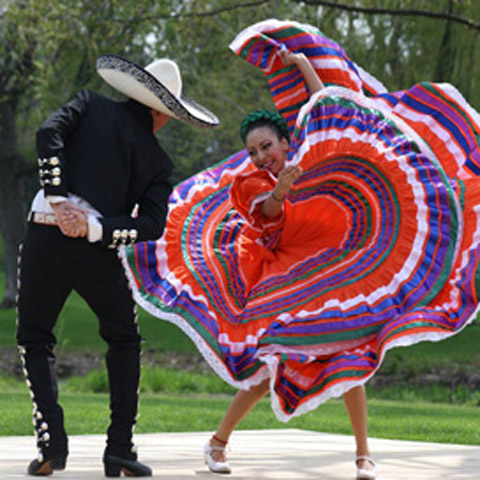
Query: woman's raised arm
point(309, 74)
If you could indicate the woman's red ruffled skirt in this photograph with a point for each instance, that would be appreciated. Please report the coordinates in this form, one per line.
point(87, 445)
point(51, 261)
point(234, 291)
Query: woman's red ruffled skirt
point(379, 247)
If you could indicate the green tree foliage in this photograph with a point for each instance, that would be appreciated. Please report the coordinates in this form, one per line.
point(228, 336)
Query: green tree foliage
point(402, 42)
point(48, 50)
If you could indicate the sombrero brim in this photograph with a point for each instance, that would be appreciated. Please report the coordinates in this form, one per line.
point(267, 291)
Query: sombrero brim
point(135, 82)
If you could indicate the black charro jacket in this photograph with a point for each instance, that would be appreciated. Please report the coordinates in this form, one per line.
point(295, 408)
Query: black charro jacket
point(106, 153)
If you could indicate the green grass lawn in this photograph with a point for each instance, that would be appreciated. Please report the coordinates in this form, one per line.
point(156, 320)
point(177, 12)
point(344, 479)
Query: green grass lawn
point(88, 413)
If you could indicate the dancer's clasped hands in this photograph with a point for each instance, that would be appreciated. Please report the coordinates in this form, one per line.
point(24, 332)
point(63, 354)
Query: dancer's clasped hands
point(72, 220)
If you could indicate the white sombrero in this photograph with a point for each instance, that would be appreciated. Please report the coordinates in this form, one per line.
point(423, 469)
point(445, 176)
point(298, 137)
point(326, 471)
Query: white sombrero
point(158, 86)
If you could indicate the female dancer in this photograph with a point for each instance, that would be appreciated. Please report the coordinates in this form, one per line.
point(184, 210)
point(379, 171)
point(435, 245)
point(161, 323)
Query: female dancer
point(376, 244)
point(266, 137)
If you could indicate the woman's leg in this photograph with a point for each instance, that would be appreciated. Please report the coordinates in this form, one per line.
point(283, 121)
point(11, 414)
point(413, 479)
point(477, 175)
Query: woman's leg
point(242, 403)
point(356, 403)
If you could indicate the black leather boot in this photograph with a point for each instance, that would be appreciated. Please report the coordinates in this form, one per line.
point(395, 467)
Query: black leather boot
point(114, 465)
point(46, 467)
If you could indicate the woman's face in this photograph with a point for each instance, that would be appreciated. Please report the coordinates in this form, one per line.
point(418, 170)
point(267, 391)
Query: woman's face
point(266, 150)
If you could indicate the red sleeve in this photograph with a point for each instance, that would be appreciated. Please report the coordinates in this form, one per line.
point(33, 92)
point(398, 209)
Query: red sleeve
point(247, 194)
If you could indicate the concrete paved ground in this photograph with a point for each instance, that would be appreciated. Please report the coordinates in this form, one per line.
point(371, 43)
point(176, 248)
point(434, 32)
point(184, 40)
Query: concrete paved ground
point(257, 455)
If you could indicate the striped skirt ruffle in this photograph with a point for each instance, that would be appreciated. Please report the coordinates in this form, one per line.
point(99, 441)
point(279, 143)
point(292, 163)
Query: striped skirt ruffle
point(382, 249)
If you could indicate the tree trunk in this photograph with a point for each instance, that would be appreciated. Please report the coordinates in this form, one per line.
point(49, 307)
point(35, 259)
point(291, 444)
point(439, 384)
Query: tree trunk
point(12, 214)
point(446, 53)
point(471, 65)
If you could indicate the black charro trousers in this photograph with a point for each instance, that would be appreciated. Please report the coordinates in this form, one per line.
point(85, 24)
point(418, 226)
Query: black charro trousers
point(51, 265)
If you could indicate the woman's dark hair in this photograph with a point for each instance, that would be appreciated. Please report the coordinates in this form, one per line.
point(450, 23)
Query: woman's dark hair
point(264, 118)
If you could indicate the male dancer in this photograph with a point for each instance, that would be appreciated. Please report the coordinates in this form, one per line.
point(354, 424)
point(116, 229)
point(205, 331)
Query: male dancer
point(98, 161)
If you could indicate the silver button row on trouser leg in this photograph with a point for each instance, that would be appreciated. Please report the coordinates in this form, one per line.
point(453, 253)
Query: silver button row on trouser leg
point(40, 426)
point(47, 415)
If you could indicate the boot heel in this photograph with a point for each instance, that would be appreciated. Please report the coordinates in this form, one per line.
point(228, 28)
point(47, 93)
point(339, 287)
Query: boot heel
point(58, 463)
point(112, 469)
point(114, 464)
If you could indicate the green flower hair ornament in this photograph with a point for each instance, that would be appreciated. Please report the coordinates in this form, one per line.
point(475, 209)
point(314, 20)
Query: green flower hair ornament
point(264, 117)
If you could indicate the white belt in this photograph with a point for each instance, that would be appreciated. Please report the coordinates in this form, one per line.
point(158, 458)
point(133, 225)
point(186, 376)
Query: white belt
point(42, 218)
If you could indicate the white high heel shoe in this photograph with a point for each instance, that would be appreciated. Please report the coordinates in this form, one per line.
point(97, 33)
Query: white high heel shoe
point(362, 473)
point(213, 465)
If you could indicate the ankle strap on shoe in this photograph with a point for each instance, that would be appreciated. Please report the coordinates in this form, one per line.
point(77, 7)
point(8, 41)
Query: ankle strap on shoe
point(366, 458)
point(219, 440)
